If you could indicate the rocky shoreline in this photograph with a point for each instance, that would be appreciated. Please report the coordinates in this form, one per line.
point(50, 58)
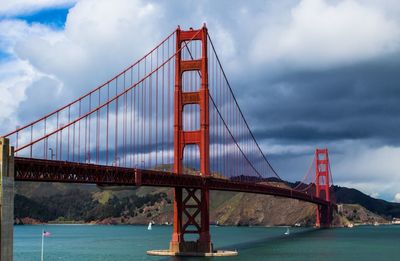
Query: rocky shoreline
point(60, 204)
point(345, 219)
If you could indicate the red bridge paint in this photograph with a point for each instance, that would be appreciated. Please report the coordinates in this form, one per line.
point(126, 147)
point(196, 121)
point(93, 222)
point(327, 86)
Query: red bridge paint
point(322, 177)
point(191, 211)
point(36, 170)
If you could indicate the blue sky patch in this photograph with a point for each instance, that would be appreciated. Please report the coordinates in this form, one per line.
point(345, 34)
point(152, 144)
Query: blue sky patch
point(4, 56)
point(51, 17)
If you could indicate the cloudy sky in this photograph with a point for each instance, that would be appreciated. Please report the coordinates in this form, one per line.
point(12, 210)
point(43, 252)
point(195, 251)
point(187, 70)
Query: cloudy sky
point(307, 73)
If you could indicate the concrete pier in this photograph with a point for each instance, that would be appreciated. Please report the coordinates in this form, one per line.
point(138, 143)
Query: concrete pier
point(218, 253)
point(6, 200)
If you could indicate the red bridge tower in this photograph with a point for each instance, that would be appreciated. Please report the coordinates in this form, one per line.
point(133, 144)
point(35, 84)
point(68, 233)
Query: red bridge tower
point(322, 176)
point(191, 206)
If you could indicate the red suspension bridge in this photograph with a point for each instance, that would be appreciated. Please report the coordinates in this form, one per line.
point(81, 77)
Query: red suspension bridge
point(170, 119)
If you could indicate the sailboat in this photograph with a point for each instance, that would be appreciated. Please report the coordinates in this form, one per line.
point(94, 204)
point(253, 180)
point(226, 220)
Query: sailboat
point(149, 226)
point(287, 231)
point(44, 234)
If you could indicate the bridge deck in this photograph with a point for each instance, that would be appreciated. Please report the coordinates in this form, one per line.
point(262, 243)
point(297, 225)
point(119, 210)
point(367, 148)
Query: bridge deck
point(27, 169)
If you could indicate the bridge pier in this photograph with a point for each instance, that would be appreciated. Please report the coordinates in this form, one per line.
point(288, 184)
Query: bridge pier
point(324, 216)
point(6, 200)
point(188, 211)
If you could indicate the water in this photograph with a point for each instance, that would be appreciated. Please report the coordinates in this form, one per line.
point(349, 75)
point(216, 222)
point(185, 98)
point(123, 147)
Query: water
point(123, 243)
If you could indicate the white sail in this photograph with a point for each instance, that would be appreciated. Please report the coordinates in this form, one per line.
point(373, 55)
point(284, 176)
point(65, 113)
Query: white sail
point(287, 232)
point(149, 226)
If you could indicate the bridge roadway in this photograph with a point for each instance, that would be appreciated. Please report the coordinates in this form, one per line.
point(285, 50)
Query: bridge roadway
point(27, 169)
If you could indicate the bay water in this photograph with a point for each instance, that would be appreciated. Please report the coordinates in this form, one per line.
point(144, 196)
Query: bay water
point(129, 243)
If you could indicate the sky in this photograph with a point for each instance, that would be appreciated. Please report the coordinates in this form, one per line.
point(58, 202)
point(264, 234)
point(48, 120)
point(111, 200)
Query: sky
point(306, 73)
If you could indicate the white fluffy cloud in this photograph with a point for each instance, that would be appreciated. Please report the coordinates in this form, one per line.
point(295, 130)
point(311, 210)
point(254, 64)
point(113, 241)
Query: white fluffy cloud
point(372, 170)
point(15, 77)
point(397, 198)
point(16, 7)
point(13, 32)
point(322, 34)
point(374, 195)
point(368, 163)
point(19, 82)
point(100, 38)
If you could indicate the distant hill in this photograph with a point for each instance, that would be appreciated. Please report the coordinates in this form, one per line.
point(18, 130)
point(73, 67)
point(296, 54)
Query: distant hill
point(60, 203)
point(381, 207)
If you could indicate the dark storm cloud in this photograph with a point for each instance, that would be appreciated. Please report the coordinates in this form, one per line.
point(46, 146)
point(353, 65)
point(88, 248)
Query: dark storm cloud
point(361, 101)
point(307, 133)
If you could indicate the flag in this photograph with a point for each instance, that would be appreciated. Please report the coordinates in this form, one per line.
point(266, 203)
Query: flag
point(46, 234)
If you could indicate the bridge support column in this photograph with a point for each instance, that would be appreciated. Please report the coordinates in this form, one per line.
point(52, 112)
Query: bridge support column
point(6, 200)
point(322, 177)
point(191, 205)
point(324, 216)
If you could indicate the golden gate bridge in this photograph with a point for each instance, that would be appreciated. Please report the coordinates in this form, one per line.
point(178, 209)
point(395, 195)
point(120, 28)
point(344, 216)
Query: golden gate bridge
point(170, 119)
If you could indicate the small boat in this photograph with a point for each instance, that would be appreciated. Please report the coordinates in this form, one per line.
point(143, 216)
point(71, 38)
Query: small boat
point(149, 226)
point(350, 225)
point(287, 231)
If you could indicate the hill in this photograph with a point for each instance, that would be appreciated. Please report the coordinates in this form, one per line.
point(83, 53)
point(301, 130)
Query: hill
point(381, 207)
point(61, 203)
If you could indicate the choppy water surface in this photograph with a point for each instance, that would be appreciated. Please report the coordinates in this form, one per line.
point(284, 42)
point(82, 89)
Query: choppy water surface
point(123, 243)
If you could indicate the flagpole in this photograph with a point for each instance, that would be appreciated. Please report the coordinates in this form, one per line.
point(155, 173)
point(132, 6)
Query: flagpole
point(42, 244)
